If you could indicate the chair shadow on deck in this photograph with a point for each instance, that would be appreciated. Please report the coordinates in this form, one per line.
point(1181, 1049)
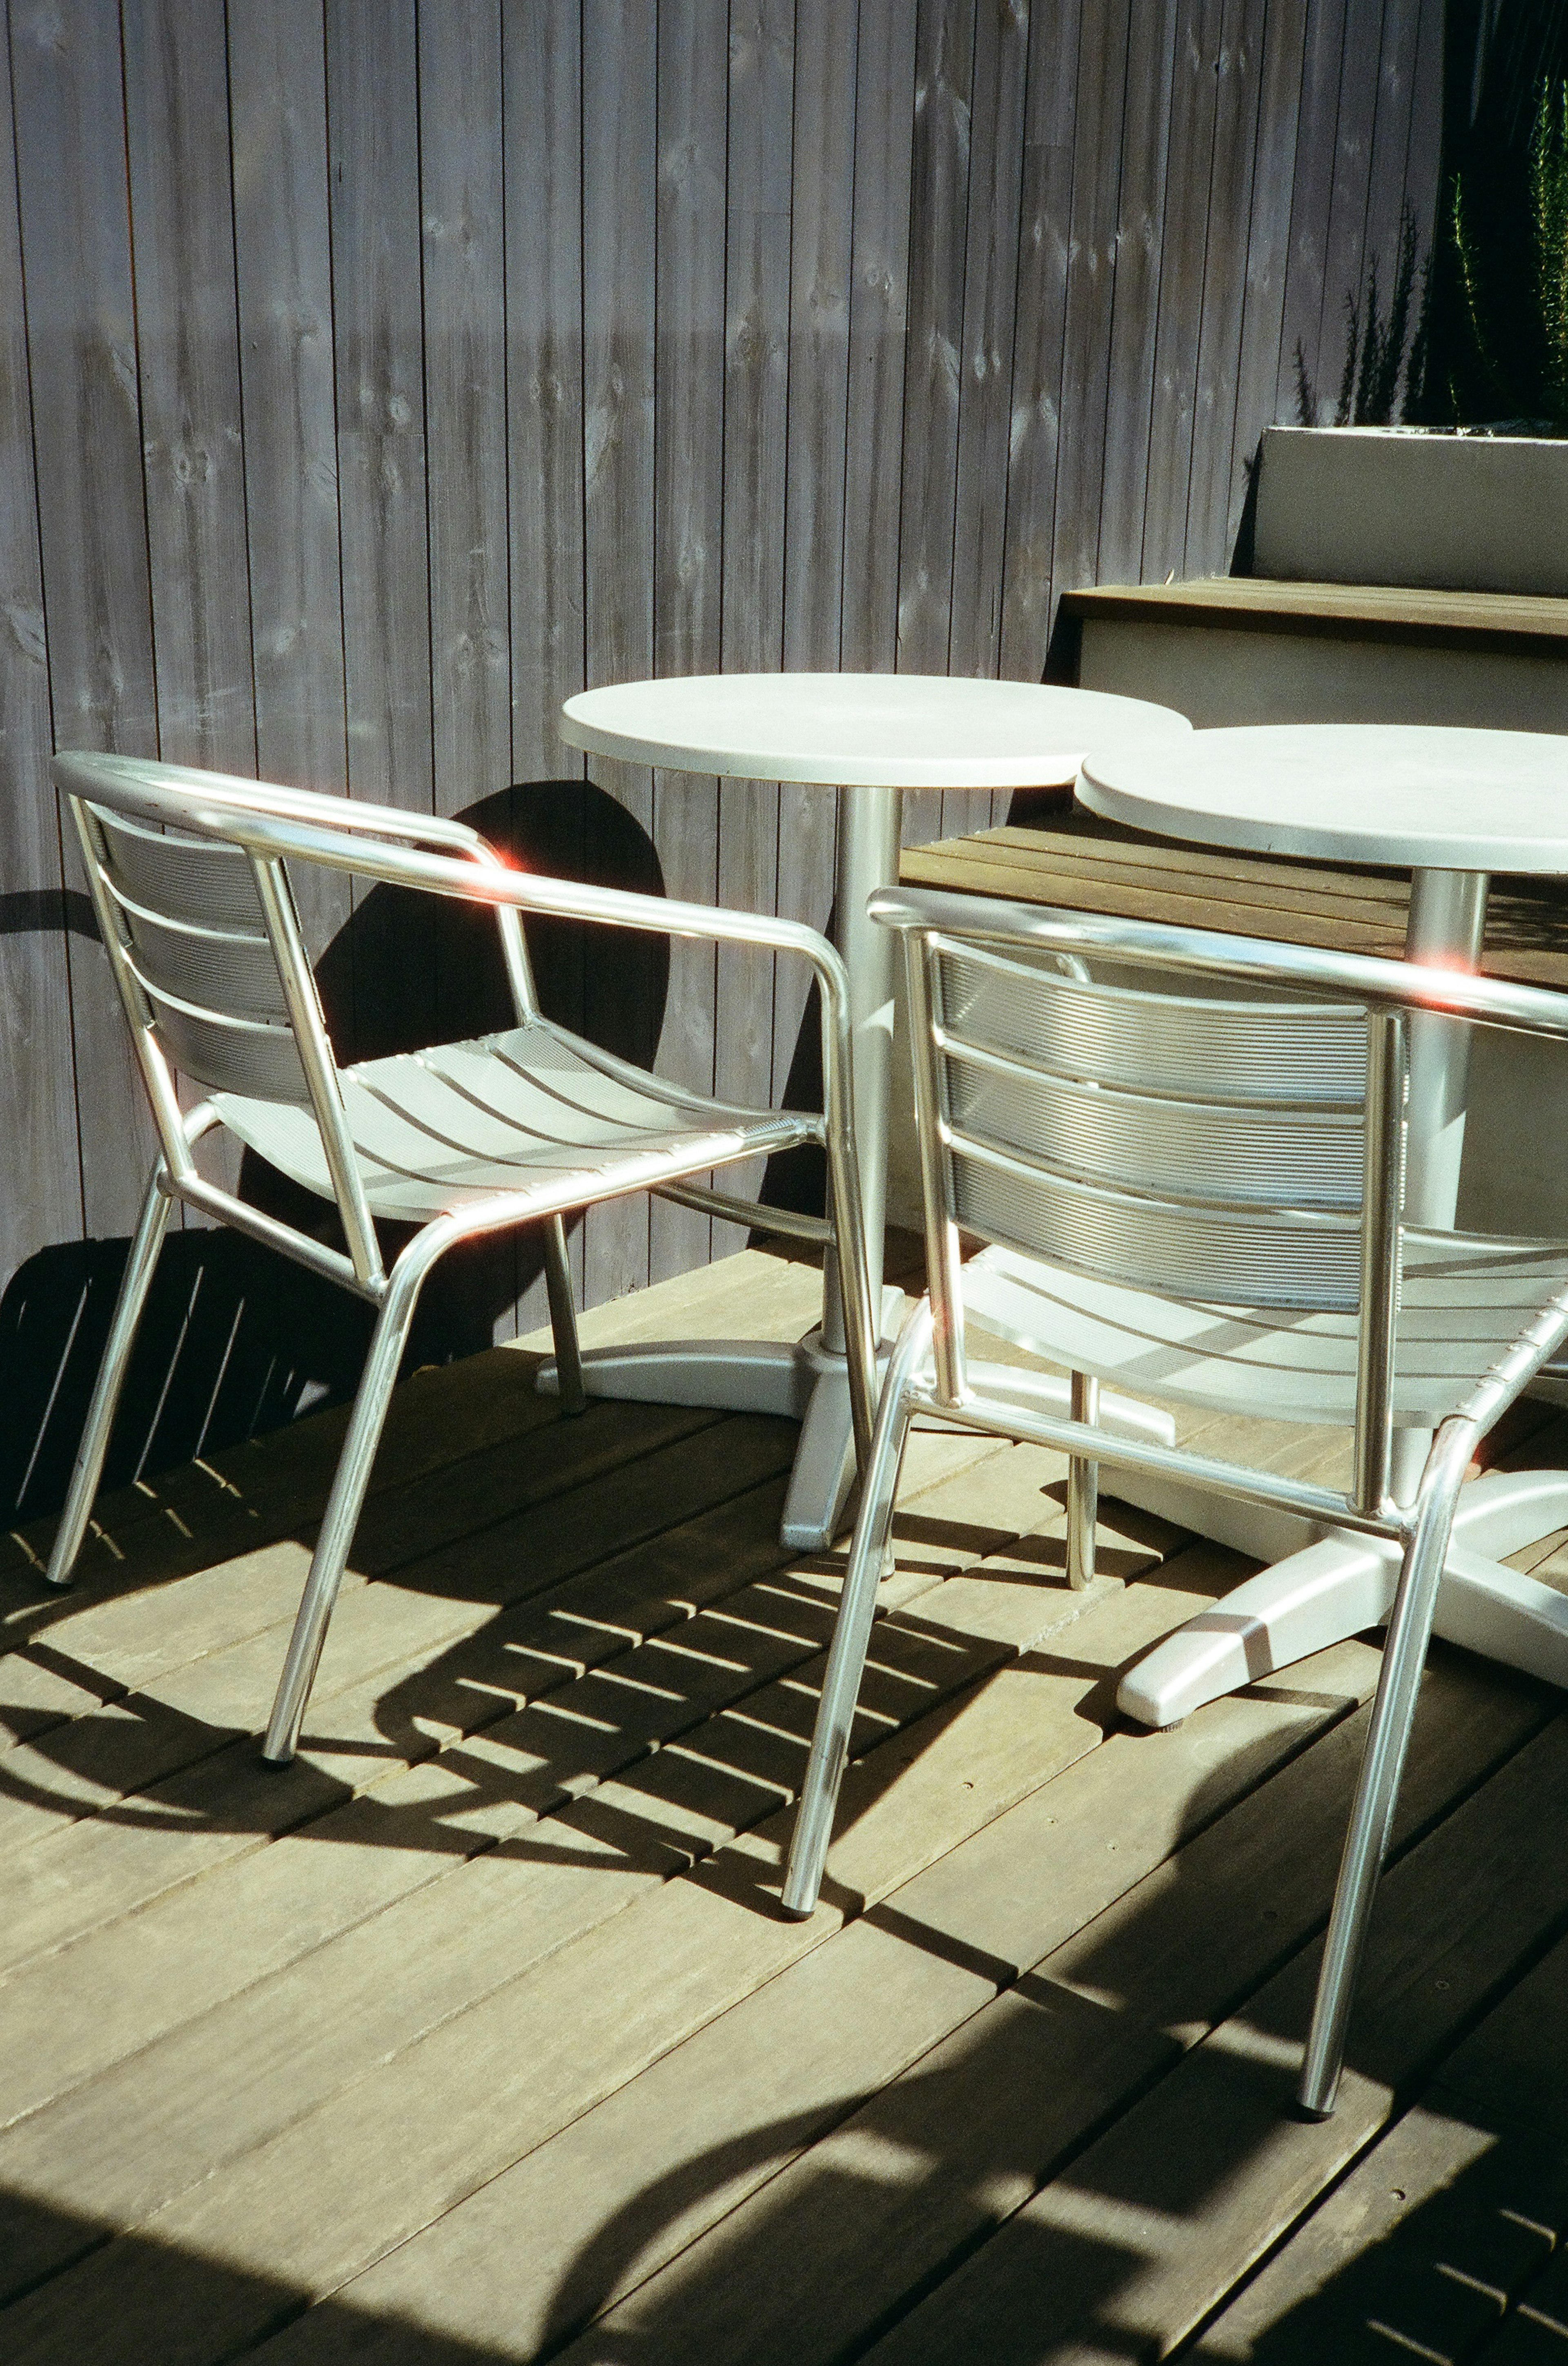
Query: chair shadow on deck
point(237, 1341)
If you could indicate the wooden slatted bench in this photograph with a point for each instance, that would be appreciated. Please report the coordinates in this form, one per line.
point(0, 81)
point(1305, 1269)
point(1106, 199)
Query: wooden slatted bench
point(1089, 865)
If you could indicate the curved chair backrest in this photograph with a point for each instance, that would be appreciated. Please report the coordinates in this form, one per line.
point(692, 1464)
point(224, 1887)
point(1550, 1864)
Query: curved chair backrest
point(1198, 1145)
point(205, 943)
point(187, 938)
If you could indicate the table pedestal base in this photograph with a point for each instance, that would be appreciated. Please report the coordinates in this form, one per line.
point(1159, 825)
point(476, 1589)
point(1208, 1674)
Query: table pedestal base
point(802, 1380)
point(1324, 1587)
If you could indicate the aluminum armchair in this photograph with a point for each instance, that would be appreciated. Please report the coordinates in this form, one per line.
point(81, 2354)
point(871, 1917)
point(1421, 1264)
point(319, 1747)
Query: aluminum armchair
point(189, 881)
point(1185, 1154)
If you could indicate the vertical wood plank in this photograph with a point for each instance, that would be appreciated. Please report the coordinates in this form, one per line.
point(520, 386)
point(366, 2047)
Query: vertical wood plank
point(187, 346)
point(463, 225)
point(1258, 386)
point(1170, 451)
point(1316, 123)
point(1141, 230)
point(939, 194)
point(541, 43)
point(757, 391)
point(462, 207)
point(878, 322)
point(1390, 142)
point(543, 130)
point(688, 468)
point(182, 213)
point(1091, 287)
point(278, 75)
point(1210, 493)
point(1423, 157)
point(42, 1200)
point(372, 116)
point(814, 549)
point(620, 172)
point(1035, 441)
point(1345, 236)
point(72, 172)
point(991, 305)
point(372, 128)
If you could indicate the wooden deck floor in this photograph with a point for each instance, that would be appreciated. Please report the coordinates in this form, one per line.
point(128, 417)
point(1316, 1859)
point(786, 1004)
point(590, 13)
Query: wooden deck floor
point(475, 2035)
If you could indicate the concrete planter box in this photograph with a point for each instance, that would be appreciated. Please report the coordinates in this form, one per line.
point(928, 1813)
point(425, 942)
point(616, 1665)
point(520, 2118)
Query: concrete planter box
point(1413, 505)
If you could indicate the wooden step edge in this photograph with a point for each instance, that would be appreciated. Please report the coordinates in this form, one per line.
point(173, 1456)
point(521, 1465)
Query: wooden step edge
point(1505, 622)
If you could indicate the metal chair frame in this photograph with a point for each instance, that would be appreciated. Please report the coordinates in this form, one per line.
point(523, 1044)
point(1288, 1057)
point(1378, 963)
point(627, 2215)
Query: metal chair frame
point(928, 1372)
point(269, 828)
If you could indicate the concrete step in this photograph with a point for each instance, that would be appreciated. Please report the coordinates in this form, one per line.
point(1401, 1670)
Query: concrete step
point(1250, 649)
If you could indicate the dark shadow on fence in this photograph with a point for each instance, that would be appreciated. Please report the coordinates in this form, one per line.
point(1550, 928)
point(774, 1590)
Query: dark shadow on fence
point(236, 1340)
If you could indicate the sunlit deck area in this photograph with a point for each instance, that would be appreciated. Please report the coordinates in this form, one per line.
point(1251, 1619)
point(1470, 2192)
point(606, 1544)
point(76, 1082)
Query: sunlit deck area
point(477, 2033)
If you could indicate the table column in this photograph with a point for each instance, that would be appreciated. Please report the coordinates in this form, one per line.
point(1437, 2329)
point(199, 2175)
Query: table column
point(1445, 929)
point(869, 834)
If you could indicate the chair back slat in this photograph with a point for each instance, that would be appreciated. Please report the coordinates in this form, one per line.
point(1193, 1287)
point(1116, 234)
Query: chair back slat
point(191, 930)
point(1199, 1147)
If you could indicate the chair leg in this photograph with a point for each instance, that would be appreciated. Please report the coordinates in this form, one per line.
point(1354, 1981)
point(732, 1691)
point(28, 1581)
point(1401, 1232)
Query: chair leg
point(563, 1318)
point(140, 1266)
point(1082, 1488)
point(852, 1634)
point(1382, 1764)
point(341, 1516)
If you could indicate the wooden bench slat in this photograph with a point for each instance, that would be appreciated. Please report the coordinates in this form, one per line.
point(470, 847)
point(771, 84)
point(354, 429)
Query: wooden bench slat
point(1088, 865)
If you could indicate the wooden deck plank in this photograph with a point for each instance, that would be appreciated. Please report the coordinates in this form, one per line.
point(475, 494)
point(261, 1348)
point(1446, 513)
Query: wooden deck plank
point(262, 1488)
point(71, 1878)
point(624, 2189)
point(1443, 2224)
point(132, 1648)
point(487, 1790)
point(1131, 2246)
point(482, 2100)
point(919, 2173)
point(1422, 2250)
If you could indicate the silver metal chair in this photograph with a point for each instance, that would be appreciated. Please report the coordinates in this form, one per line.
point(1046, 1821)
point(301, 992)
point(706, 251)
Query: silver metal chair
point(1185, 1152)
point(188, 878)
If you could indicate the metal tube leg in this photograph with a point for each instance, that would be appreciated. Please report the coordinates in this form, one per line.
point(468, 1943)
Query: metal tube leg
point(563, 1318)
point(341, 1516)
point(139, 1269)
point(847, 1659)
point(1082, 1488)
point(1382, 1764)
point(869, 827)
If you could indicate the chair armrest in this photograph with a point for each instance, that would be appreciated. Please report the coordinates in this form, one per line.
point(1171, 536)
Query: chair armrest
point(495, 882)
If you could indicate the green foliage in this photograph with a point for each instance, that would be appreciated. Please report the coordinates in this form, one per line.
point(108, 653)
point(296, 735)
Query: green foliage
point(1508, 242)
point(1384, 350)
point(1549, 210)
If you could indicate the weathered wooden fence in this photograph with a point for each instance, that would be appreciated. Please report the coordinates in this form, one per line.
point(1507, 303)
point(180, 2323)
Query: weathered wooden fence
point(374, 373)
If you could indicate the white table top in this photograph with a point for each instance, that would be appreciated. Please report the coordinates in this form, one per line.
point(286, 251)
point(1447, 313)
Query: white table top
point(1423, 794)
point(905, 731)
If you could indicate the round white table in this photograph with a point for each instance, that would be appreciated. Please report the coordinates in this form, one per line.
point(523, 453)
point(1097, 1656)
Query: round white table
point(1453, 805)
point(868, 738)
